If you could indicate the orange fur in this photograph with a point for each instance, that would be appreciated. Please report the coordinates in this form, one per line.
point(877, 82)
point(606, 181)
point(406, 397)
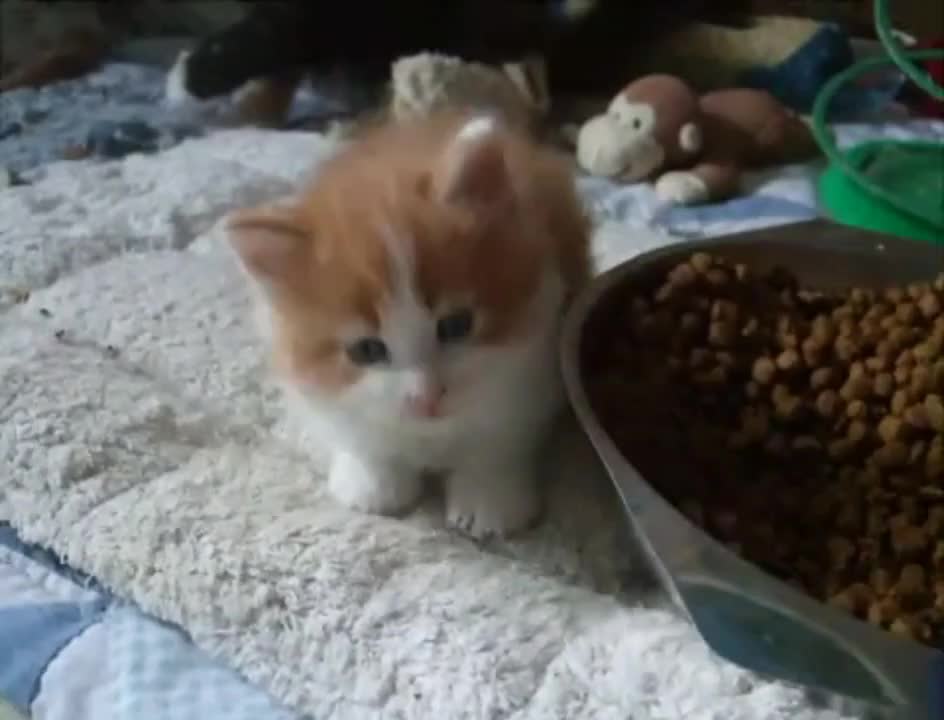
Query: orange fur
point(512, 217)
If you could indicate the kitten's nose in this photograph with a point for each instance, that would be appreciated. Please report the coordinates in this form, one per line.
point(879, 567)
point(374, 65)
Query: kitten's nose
point(426, 402)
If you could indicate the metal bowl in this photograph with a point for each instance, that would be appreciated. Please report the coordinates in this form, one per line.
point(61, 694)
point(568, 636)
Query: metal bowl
point(744, 614)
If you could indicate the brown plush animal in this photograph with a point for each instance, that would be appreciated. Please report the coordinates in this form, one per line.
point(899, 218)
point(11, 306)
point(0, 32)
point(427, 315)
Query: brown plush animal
point(697, 148)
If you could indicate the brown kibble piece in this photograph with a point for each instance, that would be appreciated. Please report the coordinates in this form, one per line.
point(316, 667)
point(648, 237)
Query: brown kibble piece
point(724, 310)
point(881, 581)
point(764, 371)
point(891, 455)
point(856, 410)
point(937, 376)
point(934, 462)
point(823, 330)
point(917, 417)
point(929, 305)
point(899, 402)
point(909, 540)
point(905, 626)
point(788, 408)
point(877, 364)
point(883, 612)
point(906, 313)
point(702, 262)
point(845, 348)
point(855, 599)
point(927, 351)
point(841, 551)
point(856, 388)
point(937, 557)
point(913, 581)
point(934, 410)
point(722, 333)
point(717, 277)
point(683, 276)
point(822, 377)
point(839, 449)
point(858, 431)
point(890, 429)
point(827, 403)
point(884, 385)
point(788, 360)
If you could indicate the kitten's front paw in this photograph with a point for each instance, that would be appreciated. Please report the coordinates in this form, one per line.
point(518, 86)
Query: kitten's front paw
point(483, 507)
point(380, 491)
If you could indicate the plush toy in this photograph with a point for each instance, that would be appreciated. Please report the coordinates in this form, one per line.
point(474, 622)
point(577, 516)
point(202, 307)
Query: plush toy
point(695, 147)
point(424, 83)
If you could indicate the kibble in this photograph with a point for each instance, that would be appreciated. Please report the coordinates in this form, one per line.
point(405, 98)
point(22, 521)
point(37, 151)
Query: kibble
point(813, 422)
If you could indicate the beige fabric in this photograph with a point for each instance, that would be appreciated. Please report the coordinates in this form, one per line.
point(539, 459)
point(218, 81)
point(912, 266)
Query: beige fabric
point(140, 438)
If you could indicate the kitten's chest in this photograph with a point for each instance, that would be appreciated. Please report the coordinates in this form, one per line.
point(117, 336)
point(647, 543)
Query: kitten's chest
point(423, 448)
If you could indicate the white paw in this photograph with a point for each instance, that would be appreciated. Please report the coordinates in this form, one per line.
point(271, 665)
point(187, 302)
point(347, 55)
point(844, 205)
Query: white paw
point(485, 506)
point(682, 188)
point(175, 86)
point(380, 491)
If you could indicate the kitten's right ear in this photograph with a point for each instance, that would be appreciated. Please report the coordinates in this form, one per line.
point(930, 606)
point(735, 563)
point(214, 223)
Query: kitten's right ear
point(269, 241)
point(474, 169)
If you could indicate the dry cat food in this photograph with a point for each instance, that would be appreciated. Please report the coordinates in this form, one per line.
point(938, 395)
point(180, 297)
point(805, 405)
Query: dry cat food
point(803, 429)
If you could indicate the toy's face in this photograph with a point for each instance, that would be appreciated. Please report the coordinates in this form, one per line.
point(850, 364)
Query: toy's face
point(622, 143)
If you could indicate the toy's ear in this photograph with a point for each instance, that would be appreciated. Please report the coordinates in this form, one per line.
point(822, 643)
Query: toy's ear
point(690, 138)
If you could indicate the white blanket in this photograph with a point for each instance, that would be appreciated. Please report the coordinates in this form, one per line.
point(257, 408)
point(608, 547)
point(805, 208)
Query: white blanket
point(141, 439)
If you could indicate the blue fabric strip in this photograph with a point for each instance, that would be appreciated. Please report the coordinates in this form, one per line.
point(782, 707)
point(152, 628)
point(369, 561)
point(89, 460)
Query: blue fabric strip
point(745, 208)
point(30, 638)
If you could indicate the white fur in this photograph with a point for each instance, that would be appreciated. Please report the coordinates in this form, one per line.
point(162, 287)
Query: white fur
point(499, 403)
point(477, 128)
point(681, 187)
point(690, 138)
point(386, 491)
point(175, 86)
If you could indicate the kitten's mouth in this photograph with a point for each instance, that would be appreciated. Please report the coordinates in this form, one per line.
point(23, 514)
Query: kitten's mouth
point(428, 418)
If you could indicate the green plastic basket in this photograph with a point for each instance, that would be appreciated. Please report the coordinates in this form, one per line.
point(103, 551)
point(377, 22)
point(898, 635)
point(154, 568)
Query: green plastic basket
point(890, 186)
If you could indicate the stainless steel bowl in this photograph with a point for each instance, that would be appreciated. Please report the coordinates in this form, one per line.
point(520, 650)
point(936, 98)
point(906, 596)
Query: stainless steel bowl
point(745, 615)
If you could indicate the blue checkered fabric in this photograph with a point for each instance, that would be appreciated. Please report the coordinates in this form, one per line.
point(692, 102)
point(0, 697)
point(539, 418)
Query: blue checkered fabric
point(70, 651)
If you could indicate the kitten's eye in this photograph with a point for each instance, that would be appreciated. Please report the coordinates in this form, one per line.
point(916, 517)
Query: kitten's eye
point(455, 326)
point(637, 123)
point(368, 351)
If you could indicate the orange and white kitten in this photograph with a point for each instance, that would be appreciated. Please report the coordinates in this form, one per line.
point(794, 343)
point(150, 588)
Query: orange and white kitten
point(414, 294)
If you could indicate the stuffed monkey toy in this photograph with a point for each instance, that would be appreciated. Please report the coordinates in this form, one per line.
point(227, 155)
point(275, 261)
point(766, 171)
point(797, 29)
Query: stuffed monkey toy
point(694, 147)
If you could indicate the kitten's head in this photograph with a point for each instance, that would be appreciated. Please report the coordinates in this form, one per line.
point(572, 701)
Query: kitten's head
point(418, 268)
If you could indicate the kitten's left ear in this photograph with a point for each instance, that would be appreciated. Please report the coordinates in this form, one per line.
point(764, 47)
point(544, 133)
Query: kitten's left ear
point(475, 169)
point(269, 241)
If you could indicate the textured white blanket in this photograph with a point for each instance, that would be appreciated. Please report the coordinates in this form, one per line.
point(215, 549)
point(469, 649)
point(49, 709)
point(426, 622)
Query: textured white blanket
point(140, 438)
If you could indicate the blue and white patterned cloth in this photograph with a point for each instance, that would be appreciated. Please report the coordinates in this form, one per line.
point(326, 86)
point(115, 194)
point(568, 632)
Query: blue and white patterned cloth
point(71, 651)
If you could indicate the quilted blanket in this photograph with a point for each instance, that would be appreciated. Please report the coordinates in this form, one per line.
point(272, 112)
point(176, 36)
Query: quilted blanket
point(142, 441)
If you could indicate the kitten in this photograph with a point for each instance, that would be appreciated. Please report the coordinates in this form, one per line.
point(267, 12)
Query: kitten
point(414, 293)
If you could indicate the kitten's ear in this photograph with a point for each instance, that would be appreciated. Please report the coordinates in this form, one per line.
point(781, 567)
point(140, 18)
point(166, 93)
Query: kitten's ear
point(475, 169)
point(269, 241)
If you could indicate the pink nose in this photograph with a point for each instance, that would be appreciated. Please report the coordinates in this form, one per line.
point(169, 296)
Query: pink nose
point(427, 404)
